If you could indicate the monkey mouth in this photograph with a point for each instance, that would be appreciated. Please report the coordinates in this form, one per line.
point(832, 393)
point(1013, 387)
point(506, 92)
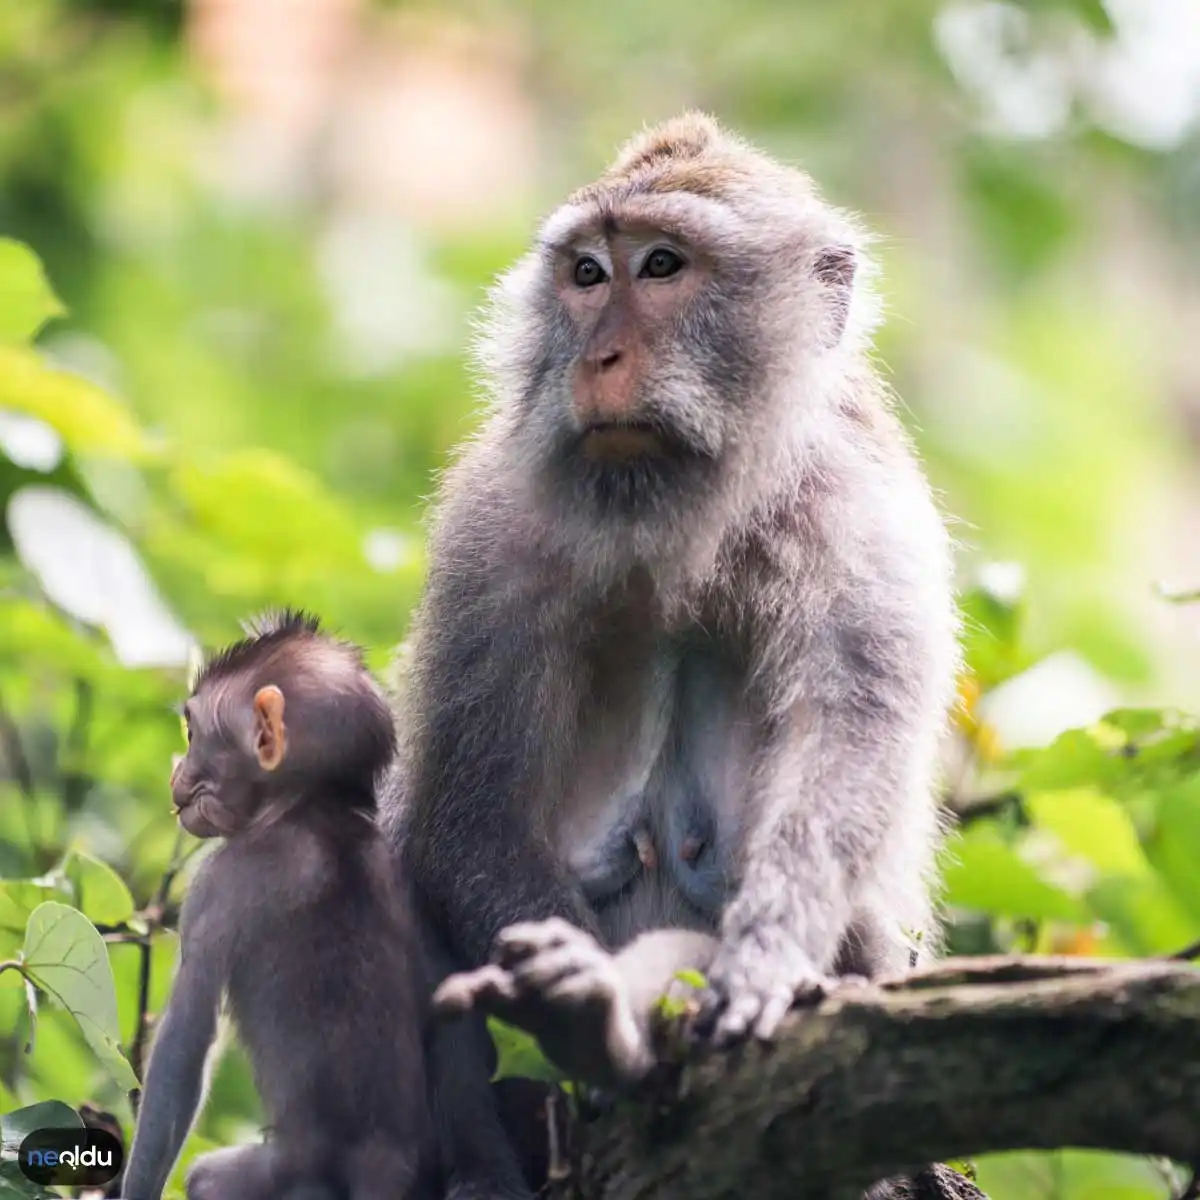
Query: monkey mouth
point(614, 441)
point(182, 804)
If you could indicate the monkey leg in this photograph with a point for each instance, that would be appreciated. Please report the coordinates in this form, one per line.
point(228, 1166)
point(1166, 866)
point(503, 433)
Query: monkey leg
point(257, 1172)
point(242, 1173)
point(590, 1010)
point(382, 1170)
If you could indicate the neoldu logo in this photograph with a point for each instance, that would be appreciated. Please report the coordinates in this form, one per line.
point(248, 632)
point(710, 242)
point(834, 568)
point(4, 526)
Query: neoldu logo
point(70, 1157)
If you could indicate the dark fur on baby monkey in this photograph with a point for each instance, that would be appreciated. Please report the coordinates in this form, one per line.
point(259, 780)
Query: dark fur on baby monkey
point(299, 924)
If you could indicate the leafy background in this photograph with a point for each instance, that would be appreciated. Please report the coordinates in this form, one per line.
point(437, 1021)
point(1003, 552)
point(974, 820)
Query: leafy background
point(243, 240)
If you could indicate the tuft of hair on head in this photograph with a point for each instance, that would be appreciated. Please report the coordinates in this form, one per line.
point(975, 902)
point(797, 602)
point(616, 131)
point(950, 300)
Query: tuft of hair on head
point(687, 153)
point(282, 622)
point(686, 136)
point(265, 634)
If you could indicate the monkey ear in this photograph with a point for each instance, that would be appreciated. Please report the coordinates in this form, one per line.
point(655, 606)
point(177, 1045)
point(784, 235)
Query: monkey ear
point(835, 266)
point(270, 733)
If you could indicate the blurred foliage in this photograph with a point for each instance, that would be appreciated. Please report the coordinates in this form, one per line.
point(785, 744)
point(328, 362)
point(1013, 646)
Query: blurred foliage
point(187, 436)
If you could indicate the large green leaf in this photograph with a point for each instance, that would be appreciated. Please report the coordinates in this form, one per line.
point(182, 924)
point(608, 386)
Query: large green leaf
point(27, 301)
point(1094, 826)
point(983, 872)
point(33, 627)
point(1143, 913)
point(66, 957)
point(100, 893)
point(992, 635)
point(87, 883)
point(263, 503)
point(18, 898)
point(1069, 1175)
point(16, 1126)
point(1127, 753)
point(1174, 843)
point(89, 420)
point(14, 1185)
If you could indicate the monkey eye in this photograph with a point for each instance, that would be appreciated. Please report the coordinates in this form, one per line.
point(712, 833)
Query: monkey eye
point(588, 272)
point(661, 264)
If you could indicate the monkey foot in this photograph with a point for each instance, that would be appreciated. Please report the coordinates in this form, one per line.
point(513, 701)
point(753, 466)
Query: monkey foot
point(750, 996)
point(555, 981)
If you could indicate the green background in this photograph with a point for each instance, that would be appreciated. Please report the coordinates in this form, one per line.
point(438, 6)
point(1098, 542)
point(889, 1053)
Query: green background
point(264, 230)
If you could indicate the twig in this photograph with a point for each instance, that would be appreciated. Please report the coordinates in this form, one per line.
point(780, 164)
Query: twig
point(985, 806)
point(22, 773)
point(73, 780)
point(1187, 953)
point(153, 916)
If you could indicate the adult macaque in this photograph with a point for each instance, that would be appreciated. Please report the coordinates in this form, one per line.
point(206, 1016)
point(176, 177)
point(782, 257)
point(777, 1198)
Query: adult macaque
point(296, 922)
point(688, 585)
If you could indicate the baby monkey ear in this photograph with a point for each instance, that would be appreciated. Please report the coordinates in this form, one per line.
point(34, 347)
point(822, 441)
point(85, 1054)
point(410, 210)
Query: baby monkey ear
point(270, 733)
point(835, 266)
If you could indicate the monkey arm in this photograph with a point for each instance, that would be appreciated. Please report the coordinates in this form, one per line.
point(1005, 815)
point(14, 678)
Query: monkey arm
point(174, 1078)
point(842, 793)
point(497, 714)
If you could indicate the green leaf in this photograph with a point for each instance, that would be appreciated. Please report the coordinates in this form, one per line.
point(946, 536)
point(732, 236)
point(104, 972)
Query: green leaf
point(692, 978)
point(518, 1055)
point(16, 1126)
point(1143, 913)
point(66, 957)
point(89, 420)
point(18, 898)
point(1174, 844)
point(100, 893)
point(14, 1185)
point(984, 873)
point(27, 301)
point(1093, 826)
point(991, 636)
point(1018, 202)
point(1095, 15)
point(61, 646)
point(1074, 759)
point(1126, 754)
point(1069, 1175)
point(260, 502)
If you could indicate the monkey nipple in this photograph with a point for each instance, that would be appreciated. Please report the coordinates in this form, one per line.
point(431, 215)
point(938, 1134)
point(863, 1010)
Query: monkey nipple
point(691, 848)
point(646, 851)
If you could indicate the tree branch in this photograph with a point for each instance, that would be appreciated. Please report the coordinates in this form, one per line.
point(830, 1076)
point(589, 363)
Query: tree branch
point(968, 1056)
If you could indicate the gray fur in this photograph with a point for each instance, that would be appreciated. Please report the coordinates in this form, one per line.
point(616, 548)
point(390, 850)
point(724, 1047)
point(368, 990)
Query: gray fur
point(751, 640)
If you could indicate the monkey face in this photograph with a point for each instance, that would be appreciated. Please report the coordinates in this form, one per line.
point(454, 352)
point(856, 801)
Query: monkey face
point(215, 789)
point(671, 344)
point(243, 755)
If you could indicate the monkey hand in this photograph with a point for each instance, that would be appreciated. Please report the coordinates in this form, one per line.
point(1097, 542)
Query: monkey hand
point(558, 983)
point(751, 986)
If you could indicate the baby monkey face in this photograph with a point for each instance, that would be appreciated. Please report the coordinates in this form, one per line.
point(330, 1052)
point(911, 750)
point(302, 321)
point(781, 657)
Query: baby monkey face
point(234, 742)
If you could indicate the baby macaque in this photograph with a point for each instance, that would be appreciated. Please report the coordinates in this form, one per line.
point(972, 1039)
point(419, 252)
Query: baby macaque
point(297, 923)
